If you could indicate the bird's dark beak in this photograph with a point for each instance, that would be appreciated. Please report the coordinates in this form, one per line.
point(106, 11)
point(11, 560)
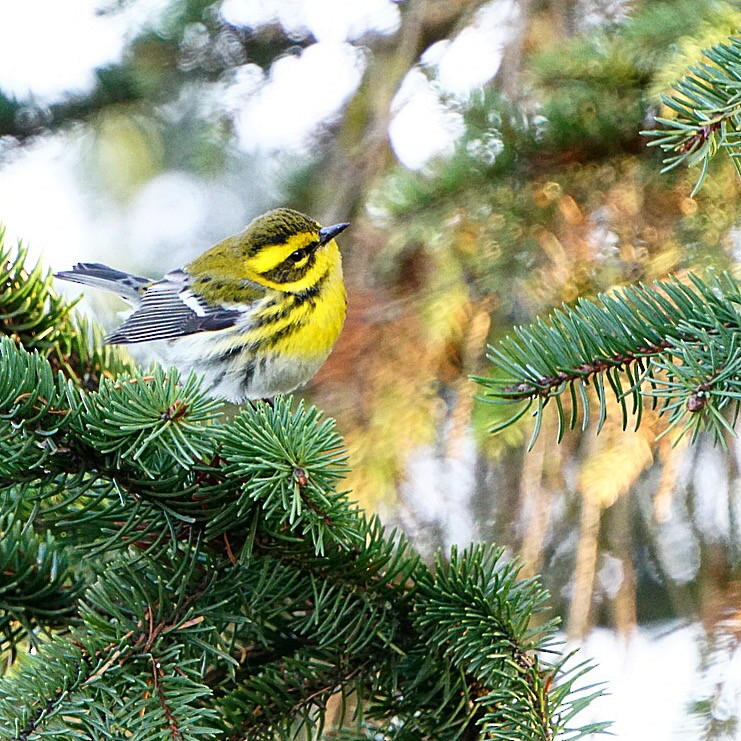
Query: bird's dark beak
point(326, 233)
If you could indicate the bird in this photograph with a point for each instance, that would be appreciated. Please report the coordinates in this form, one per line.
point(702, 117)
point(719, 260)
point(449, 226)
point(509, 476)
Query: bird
point(256, 314)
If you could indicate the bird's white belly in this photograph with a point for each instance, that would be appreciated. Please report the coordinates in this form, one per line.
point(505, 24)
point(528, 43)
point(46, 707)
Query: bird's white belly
point(235, 377)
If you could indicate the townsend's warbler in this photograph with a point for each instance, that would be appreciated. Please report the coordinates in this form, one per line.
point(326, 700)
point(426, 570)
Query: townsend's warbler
point(257, 314)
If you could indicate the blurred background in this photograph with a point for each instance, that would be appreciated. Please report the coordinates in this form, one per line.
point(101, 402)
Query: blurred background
point(488, 156)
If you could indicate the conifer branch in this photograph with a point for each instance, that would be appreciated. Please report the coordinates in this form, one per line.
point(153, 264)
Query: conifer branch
point(208, 577)
point(676, 344)
point(38, 584)
point(33, 315)
point(112, 638)
point(707, 113)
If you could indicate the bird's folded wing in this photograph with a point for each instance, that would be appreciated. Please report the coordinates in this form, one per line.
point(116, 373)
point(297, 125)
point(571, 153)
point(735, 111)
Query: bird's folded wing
point(170, 309)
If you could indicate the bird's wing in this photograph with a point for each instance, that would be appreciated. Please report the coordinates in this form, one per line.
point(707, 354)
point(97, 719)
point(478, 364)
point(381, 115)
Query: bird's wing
point(170, 309)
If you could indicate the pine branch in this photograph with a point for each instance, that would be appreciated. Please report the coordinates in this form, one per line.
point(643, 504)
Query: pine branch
point(204, 577)
point(38, 584)
point(495, 610)
point(108, 666)
point(324, 596)
point(676, 344)
point(707, 108)
point(140, 435)
point(33, 315)
point(118, 420)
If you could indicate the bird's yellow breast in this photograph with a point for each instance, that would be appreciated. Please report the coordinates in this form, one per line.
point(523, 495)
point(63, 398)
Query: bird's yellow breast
point(322, 319)
point(304, 322)
point(313, 320)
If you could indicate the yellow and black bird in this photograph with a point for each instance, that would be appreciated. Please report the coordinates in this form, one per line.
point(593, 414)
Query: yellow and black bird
point(257, 314)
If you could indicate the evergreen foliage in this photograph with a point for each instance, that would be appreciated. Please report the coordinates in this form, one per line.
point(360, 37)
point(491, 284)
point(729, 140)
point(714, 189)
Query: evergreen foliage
point(167, 573)
point(706, 107)
point(676, 343)
point(34, 316)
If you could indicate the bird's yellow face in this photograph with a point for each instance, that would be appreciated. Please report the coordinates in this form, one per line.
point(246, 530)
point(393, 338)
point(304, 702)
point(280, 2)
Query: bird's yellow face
point(293, 265)
point(282, 250)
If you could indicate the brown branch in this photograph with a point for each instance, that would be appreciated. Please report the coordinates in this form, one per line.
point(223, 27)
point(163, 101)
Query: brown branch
point(545, 386)
point(157, 676)
point(696, 140)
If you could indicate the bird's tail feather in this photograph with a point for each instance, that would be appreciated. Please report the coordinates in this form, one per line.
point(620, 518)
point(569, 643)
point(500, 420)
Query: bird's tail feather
point(128, 287)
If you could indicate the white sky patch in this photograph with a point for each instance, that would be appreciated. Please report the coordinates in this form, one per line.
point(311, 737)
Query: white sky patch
point(422, 127)
point(167, 211)
point(438, 491)
point(473, 57)
point(173, 218)
point(327, 20)
point(254, 13)
point(338, 20)
point(679, 548)
point(131, 17)
point(652, 677)
point(711, 481)
point(41, 202)
point(48, 46)
point(302, 91)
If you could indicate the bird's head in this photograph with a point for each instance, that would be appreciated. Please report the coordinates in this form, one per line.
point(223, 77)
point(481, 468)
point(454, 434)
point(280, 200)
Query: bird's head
point(281, 250)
